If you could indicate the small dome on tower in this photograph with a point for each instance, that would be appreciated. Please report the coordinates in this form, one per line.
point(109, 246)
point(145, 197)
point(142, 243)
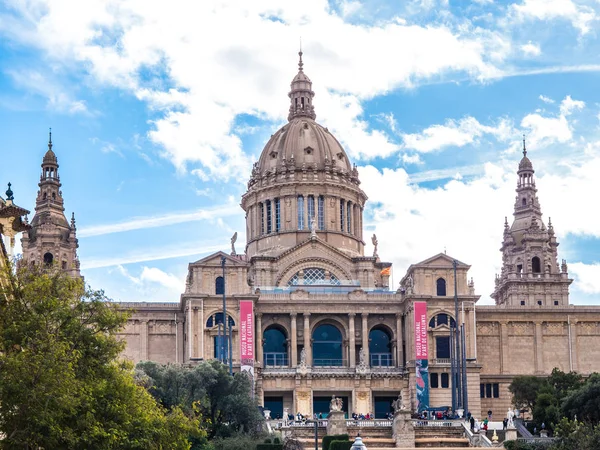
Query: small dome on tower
point(49, 157)
point(525, 163)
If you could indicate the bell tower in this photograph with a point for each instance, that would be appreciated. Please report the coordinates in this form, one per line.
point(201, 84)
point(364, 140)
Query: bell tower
point(51, 239)
point(530, 273)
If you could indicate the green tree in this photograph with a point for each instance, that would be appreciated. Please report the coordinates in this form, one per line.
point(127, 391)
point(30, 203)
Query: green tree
point(223, 403)
point(524, 391)
point(584, 402)
point(61, 384)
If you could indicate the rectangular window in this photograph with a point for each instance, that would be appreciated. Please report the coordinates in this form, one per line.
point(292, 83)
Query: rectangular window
point(311, 209)
point(300, 212)
point(442, 347)
point(321, 217)
point(262, 218)
point(349, 217)
point(269, 219)
point(495, 390)
point(341, 215)
point(433, 380)
point(445, 381)
point(488, 390)
point(482, 390)
point(277, 215)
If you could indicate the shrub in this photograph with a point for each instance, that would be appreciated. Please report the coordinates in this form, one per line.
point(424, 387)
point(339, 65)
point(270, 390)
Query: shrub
point(340, 445)
point(239, 442)
point(269, 447)
point(327, 440)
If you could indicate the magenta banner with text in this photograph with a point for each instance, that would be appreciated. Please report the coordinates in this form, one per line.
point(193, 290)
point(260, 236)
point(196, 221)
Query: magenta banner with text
point(420, 330)
point(247, 334)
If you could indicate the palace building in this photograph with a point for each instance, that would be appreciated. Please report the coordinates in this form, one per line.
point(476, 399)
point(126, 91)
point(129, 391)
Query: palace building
point(310, 315)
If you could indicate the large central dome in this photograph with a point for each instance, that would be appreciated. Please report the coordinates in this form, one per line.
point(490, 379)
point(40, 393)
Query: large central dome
point(305, 144)
point(302, 184)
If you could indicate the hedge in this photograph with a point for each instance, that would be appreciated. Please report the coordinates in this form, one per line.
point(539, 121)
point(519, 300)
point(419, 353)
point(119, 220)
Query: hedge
point(340, 445)
point(327, 440)
point(269, 447)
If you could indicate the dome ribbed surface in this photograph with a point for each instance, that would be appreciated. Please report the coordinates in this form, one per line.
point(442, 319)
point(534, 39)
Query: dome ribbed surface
point(307, 144)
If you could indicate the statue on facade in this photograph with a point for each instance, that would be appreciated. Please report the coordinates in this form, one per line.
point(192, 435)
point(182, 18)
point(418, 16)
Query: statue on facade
point(409, 283)
point(398, 404)
point(363, 365)
point(303, 367)
point(510, 416)
point(313, 227)
point(375, 242)
point(233, 239)
point(336, 404)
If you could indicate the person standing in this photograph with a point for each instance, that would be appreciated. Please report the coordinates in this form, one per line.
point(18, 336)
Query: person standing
point(472, 421)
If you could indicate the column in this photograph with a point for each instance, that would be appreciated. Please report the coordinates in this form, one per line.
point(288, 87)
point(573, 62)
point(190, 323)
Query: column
point(307, 348)
point(573, 344)
point(504, 363)
point(259, 340)
point(399, 352)
point(352, 339)
point(144, 340)
point(293, 340)
point(539, 361)
point(365, 337)
point(179, 338)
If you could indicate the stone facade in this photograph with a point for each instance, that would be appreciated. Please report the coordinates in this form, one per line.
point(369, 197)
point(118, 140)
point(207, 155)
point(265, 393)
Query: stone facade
point(326, 321)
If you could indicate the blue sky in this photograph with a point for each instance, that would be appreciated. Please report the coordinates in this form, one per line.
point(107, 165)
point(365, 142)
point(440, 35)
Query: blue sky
point(159, 109)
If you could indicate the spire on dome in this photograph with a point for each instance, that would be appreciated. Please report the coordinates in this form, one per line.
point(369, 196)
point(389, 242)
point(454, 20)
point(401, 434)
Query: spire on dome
point(50, 139)
point(524, 148)
point(301, 94)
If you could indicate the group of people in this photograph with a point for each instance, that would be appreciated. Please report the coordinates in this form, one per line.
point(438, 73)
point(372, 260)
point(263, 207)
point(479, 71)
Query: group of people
point(361, 416)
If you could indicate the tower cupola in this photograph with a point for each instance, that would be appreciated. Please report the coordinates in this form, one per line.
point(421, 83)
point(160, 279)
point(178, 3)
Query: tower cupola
point(301, 94)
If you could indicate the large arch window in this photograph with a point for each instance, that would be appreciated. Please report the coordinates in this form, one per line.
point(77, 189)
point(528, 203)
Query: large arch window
point(275, 347)
point(313, 276)
point(536, 265)
point(380, 347)
point(219, 286)
point(327, 346)
point(441, 287)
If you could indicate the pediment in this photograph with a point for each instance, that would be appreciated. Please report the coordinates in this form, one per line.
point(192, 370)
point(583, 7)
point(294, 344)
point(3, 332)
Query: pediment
point(215, 260)
point(441, 260)
point(313, 246)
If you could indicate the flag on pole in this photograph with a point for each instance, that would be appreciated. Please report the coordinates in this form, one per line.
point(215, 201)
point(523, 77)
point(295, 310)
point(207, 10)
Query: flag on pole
point(386, 271)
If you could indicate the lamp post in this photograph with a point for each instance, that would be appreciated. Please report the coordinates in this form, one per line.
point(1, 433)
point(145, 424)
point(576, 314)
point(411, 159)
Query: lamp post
point(457, 378)
point(316, 422)
point(224, 343)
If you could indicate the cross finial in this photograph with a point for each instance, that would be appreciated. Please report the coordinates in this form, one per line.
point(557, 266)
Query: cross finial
point(50, 139)
point(524, 148)
point(9, 193)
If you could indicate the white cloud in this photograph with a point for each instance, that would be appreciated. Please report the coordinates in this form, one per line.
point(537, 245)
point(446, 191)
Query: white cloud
point(415, 158)
point(531, 49)
point(546, 99)
point(159, 52)
point(568, 105)
point(138, 223)
point(580, 16)
point(57, 97)
point(455, 134)
point(587, 277)
point(546, 130)
point(153, 281)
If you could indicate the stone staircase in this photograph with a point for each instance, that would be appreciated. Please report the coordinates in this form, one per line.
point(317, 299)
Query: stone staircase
point(440, 437)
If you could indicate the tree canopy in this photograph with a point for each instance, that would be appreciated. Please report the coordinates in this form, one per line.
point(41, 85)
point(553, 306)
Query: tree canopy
point(61, 382)
point(223, 403)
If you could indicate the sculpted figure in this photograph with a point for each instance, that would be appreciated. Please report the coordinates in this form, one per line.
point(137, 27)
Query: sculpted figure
point(375, 242)
point(233, 239)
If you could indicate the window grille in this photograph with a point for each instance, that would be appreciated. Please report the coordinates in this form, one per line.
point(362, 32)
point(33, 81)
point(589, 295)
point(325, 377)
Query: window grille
point(269, 220)
point(349, 217)
point(314, 275)
point(321, 217)
point(277, 215)
point(262, 218)
point(341, 215)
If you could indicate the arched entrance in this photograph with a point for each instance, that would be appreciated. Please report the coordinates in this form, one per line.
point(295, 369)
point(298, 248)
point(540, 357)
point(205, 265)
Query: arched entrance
point(327, 346)
point(275, 351)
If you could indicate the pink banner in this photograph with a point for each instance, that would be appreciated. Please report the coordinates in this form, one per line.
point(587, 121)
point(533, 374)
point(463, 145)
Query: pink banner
point(247, 332)
point(420, 330)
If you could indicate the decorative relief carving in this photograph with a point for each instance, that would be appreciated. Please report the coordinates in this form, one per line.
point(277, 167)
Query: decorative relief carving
point(520, 328)
point(303, 395)
point(554, 328)
point(487, 328)
point(362, 395)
